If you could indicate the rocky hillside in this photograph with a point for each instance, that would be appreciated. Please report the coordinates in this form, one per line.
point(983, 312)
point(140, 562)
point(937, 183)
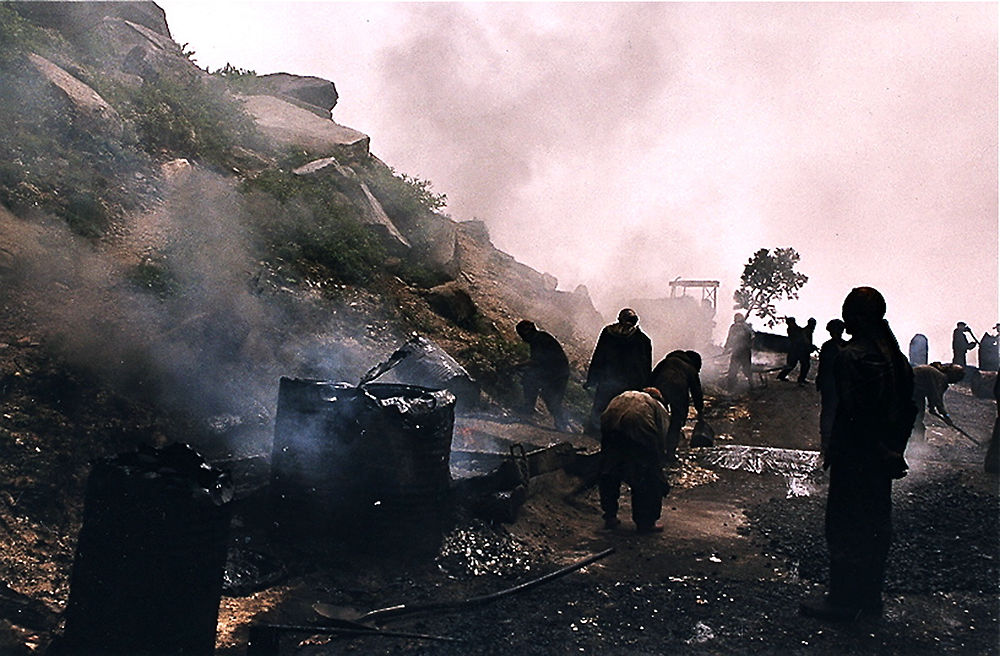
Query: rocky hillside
point(185, 237)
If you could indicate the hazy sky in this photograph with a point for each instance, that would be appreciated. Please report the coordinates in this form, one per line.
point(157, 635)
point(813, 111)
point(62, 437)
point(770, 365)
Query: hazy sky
point(623, 145)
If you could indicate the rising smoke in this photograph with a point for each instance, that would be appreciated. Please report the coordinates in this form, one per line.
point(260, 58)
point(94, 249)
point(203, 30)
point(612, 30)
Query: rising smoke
point(212, 349)
point(635, 143)
point(621, 145)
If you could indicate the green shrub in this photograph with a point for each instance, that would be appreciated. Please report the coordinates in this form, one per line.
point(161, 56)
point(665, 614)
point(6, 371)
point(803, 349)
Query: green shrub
point(155, 277)
point(416, 273)
point(578, 401)
point(240, 80)
point(490, 360)
point(18, 36)
point(49, 162)
point(192, 119)
point(328, 233)
point(85, 214)
point(403, 197)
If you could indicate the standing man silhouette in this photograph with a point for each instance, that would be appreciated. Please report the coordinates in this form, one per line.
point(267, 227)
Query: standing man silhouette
point(622, 360)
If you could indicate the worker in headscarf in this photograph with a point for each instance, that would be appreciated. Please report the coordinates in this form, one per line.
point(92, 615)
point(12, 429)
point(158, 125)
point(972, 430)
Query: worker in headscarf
point(622, 361)
point(960, 344)
point(825, 381)
point(875, 413)
point(633, 442)
point(677, 377)
point(738, 343)
point(545, 374)
point(930, 381)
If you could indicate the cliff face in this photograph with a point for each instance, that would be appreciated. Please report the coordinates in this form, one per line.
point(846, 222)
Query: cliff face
point(222, 227)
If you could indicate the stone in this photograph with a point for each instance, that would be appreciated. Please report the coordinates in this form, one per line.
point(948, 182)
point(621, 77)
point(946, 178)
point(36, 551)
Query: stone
point(85, 104)
point(290, 126)
point(454, 303)
point(313, 90)
point(72, 19)
point(372, 212)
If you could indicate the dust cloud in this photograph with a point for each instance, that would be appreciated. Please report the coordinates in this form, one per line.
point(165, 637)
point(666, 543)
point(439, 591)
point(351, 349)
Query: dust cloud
point(623, 145)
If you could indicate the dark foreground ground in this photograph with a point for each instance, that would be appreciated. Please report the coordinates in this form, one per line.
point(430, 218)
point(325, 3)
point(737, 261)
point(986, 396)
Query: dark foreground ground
point(739, 551)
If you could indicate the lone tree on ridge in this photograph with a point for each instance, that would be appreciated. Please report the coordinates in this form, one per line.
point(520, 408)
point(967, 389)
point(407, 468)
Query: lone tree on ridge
point(767, 278)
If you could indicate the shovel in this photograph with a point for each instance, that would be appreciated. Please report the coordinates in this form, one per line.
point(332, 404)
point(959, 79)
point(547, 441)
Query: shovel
point(350, 617)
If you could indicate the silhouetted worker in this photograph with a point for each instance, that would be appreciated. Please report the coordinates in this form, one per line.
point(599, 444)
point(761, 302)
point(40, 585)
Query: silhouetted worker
point(677, 378)
point(738, 343)
point(875, 413)
point(960, 345)
point(800, 347)
point(633, 439)
point(930, 381)
point(989, 356)
point(545, 374)
point(918, 350)
point(622, 360)
point(825, 381)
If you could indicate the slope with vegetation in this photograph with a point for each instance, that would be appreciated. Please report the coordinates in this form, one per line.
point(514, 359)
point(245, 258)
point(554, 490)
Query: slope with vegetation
point(173, 240)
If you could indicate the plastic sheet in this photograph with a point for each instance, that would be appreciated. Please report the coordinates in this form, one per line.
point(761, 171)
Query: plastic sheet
point(801, 469)
point(761, 459)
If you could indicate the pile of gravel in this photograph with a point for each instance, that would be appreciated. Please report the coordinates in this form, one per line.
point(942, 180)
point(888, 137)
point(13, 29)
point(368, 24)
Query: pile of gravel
point(945, 537)
point(479, 548)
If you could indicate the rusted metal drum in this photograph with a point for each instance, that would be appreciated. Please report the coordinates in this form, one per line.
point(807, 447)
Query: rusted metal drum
point(147, 577)
point(343, 453)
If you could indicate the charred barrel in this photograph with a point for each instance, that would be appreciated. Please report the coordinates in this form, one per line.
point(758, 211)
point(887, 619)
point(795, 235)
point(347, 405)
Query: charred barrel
point(346, 453)
point(147, 577)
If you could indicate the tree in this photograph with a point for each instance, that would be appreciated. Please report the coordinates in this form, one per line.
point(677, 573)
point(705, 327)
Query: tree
point(768, 278)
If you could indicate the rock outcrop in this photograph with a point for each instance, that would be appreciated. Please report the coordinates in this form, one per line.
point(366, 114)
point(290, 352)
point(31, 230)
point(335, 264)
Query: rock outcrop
point(74, 19)
point(289, 126)
point(130, 44)
point(372, 212)
point(83, 104)
point(314, 91)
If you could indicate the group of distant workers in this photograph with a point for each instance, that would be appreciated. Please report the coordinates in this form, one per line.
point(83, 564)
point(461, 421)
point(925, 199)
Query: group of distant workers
point(639, 437)
point(872, 400)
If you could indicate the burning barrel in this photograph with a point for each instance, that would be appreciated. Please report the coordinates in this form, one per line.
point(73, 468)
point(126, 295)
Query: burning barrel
point(147, 577)
point(343, 453)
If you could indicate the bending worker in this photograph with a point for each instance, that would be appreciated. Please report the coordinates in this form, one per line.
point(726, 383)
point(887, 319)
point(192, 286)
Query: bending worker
point(677, 377)
point(930, 381)
point(545, 374)
point(633, 444)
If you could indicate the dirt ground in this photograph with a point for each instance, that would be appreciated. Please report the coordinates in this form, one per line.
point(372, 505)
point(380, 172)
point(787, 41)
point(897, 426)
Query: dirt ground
point(739, 551)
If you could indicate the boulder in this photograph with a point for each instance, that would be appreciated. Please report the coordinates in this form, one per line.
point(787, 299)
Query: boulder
point(313, 90)
point(435, 238)
point(85, 105)
point(72, 19)
point(477, 230)
point(290, 126)
point(454, 303)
